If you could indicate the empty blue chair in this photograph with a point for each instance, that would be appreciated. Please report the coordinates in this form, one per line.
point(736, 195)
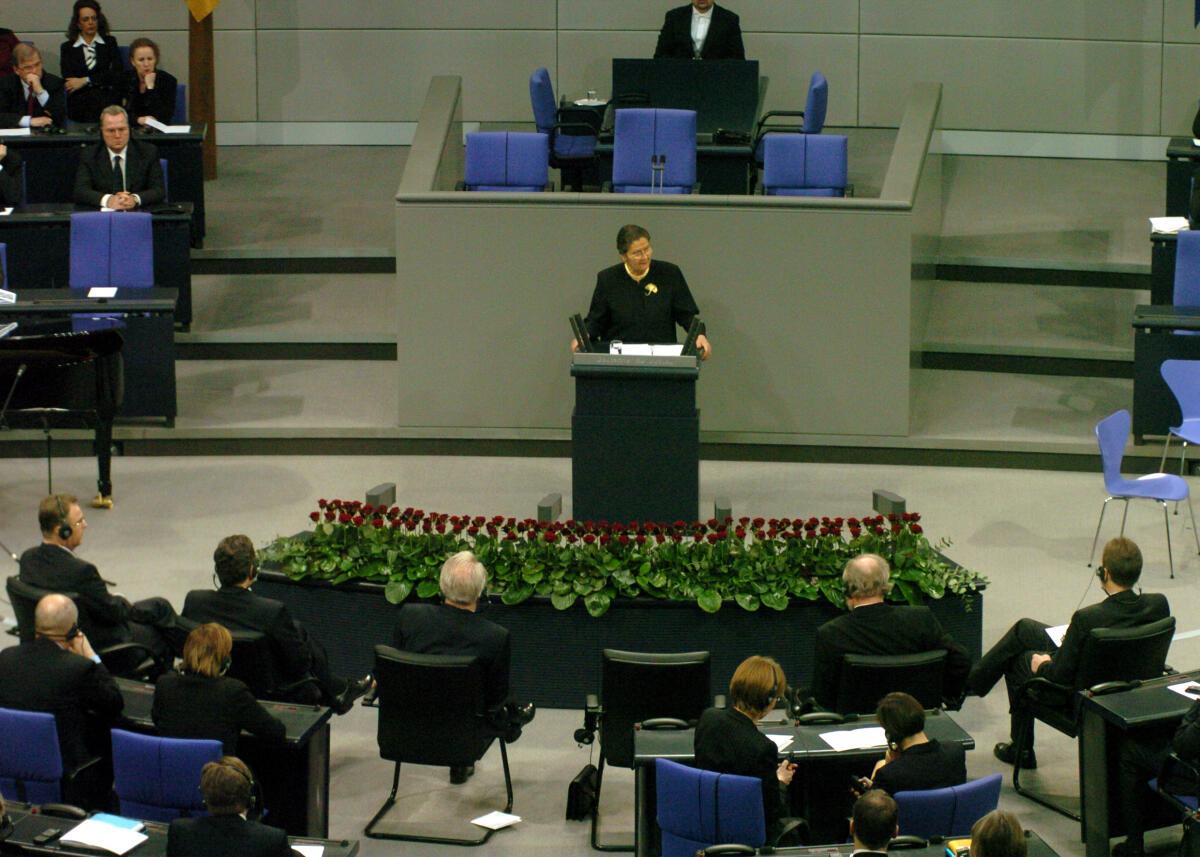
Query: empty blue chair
point(654, 151)
point(804, 165)
point(110, 249)
point(1112, 432)
point(507, 161)
point(572, 140)
point(825, 165)
point(1183, 379)
point(816, 104)
point(812, 117)
point(159, 778)
point(783, 164)
point(697, 809)
point(31, 768)
point(179, 117)
point(1187, 272)
point(949, 811)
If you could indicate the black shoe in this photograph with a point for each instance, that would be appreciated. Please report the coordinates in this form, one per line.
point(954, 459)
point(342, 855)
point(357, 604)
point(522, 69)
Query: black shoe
point(1006, 752)
point(520, 715)
point(1128, 849)
point(354, 689)
point(460, 773)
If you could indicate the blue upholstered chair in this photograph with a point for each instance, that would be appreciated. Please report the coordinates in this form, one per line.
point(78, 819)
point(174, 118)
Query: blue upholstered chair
point(643, 137)
point(110, 249)
point(949, 811)
point(1183, 379)
point(812, 118)
point(804, 165)
point(697, 809)
point(816, 103)
point(159, 778)
point(572, 135)
point(1187, 272)
point(31, 768)
point(179, 117)
point(507, 161)
point(1112, 432)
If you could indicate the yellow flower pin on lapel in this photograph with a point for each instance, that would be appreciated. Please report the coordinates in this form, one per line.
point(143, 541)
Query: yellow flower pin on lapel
point(651, 289)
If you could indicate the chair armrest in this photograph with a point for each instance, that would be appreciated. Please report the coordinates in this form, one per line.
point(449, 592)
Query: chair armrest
point(792, 824)
point(1032, 689)
point(656, 723)
point(1174, 764)
point(900, 843)
point(725, 848)
point(63, 810)
point(819, 717)
point(460, 185)
point(575, 129)
point(1106, 687)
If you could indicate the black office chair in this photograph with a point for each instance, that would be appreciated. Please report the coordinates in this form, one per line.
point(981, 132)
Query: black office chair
point(1112, 660)
point(129, 660)
point(636, 687)
point(865, 679)
point(254, 661)
point(432, 712)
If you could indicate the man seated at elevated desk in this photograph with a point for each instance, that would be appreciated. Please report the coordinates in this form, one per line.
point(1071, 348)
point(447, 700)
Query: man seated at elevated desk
point(30, 97)
point(119, 173)
point(701, 30)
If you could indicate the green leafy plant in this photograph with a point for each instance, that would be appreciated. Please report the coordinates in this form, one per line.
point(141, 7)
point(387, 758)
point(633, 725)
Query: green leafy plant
point(753, 563)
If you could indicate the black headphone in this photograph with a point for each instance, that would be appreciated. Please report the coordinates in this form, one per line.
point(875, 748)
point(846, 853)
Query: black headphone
point(254, 790)
point(64, 529)
point(1100, 571)
point(225, 665)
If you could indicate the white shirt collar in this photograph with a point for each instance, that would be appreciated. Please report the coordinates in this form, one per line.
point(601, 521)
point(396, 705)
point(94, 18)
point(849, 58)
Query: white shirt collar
point(99, 39)
point(696, 13)
point(123, 153)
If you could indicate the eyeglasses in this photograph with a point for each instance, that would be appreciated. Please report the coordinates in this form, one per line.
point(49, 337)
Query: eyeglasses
point(640, 254)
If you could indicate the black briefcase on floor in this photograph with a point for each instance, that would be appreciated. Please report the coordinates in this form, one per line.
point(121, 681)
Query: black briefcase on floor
point(581, 793)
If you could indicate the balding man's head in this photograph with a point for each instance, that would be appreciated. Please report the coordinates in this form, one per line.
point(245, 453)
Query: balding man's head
point(867, 576)
point(55, 616)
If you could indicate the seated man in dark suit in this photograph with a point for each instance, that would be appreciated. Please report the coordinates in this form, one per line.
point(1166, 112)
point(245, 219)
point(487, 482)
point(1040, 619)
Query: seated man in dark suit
point(1026, 650)
point(227, 786)
point(107, 619)
point(31, 97)
point(119, 173)
point(239, 609)
point(59, 672)
point(455, 628)
point(874, 823)
point(701, 31)
point(875, 627)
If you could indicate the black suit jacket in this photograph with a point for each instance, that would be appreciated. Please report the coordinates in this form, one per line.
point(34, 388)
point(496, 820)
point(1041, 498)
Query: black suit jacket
point(12, 100)
point(932, 765)
point(158, 102)
point(1120, 610)
point(883, 629)
point(438, 629)
point(84, 105)
point(225, 836)
point(722, 42)
point(728, 742)
point(104, 617)
point(220, 707)
point(143, 174)
point(85, 701)
point(621, 309)
point(239, 609)
point(10, 183)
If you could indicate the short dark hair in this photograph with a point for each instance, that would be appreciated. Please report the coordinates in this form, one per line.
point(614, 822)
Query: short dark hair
point(875, 815)
point(53, 511)
point(900, 715)
point(226, 785)
point(1123, 560)
point(998, 834)
point(629, 233)
point(234, 559)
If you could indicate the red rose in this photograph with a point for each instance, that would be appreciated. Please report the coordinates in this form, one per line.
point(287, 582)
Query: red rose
point(712, 538)
point(712, 523)
point(853, 522)
point(896, 528)
point(330, 515)
point(588, 538)
point(368, 509)
point(550, 538)
point(757, 523)
point(916, 528)
point(397, 524)
point(377, 522)
point(321, 504)
point(478, 521)
point(571, 538)
point(511, 537)
point(440, 526)
point(605, 538)
point(343, 518)
point(316, 516)
point(472, 531)
point(855, 532)
point(743, 521)
point(358, 520)
point(740, 533)
point(622, 539)
point(426, 526)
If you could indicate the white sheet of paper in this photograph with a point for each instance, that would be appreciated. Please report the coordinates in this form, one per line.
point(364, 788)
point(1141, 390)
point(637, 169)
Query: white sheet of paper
point(1057, 633)
point(1182, 689)
point(1195, 141)
point(6, 211)
point(855, 739)
point(14, 132)
point(7, 297)
point(1168, 225)
point(102, 292)
point(168, 129)
point(309, 850)
point(496, 819)
point(782, 742)
point(96, 834)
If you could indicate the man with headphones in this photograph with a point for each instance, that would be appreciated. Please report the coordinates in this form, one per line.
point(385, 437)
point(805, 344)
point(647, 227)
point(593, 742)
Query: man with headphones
point(106, 618)
point(231, 828)
point(1026, 649)
point(59, 672)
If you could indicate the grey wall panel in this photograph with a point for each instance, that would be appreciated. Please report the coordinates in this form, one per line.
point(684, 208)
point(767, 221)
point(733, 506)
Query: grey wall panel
point(391, 70)
point(784, 16)
point(1178, 21)
point(789, 61)
point(1016, 84)
point(1119, 20)
point(237, 89)
point(1181, 88)
point(585, 59)
point(619, 15)
point(230, 15)
point(407, 15)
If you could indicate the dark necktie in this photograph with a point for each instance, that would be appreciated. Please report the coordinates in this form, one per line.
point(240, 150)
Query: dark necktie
point(29, 102)
point(118, 175)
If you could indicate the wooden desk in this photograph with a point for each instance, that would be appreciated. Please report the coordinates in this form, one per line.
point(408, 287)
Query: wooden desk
point(295, 777)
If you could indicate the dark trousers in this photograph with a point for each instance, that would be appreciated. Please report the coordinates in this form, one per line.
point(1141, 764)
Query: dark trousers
point(1009, 659)
point(1139, 761)
point(332, 685)
point(152, 623)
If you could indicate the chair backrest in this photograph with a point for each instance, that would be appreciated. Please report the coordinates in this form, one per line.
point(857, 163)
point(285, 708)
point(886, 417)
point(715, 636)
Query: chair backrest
point(1183, 378)
point(31, 767)
point(91, 241)
point(507, 161)
point(24, 598)
point(159, 778)
point(541, 96)
point(865, 679)
point(825, 169)
point(254, 662)
point(1112, 432)
point(162, 162)
point(431, 708)
point(179, 117)
point(1187, 269)
point(783, 163)
point(1125, 654)
point(638, 686)
point(814, 106)
point(948, 811)
point(698, 808)
point(112, 250)
point(804, 164)
point(643, 134)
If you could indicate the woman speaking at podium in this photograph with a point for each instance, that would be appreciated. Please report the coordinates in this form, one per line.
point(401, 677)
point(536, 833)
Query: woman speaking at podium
point(641, 299)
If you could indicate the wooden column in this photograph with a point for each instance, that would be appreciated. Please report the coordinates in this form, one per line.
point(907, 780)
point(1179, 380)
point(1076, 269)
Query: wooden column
point(201, 87)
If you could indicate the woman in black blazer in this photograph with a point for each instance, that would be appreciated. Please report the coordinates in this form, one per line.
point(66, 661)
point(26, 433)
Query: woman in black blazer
point(146, 90)
point(89, 89)
point(203, 702)
point(914, 761)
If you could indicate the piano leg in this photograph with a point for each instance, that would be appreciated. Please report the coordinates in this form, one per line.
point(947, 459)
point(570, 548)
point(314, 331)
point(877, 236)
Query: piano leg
point(103, 449)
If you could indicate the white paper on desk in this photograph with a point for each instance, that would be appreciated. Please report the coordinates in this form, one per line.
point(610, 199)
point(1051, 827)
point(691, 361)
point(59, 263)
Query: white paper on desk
point(496, 819)
point(308, 850)
point(855, 739)
point(1195, 141)
point(782, 742)
point(6, 211)
point(1168, 225)
point(1182, 689)
point(646, 349)
point(14, 132)
point(589, 102)
point(1057, 633)
point(96, 834)
point(102, 292)
point(168, 129)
